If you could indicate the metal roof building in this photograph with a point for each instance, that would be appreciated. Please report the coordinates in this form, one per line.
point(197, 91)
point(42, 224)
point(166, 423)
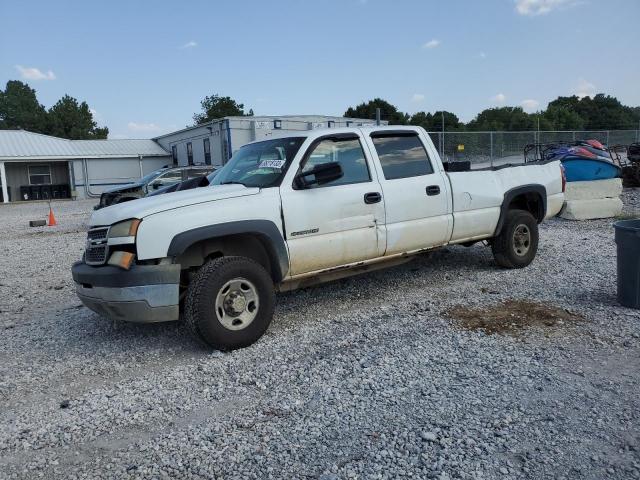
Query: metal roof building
point(35, 166)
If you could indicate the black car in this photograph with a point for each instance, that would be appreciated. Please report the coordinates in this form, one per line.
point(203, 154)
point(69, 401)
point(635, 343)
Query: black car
point(187, 184)
point(154, 181)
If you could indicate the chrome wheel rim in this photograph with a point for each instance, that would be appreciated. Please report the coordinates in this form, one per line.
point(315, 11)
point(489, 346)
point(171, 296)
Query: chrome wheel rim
point(237, 304)
point(521, 240)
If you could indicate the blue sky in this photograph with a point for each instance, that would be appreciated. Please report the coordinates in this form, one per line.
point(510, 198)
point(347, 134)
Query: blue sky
point(144, 66)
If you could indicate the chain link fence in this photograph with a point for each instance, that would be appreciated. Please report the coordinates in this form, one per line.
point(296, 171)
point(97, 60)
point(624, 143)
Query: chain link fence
point(495, 148)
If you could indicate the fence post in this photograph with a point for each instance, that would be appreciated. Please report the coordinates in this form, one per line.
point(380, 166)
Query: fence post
point(491, 148)
point(607, 138)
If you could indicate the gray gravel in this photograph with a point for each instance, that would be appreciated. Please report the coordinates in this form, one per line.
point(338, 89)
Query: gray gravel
point(363, 378)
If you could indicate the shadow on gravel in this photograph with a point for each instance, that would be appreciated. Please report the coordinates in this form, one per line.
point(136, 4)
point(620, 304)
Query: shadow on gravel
point(447, 261)
point(512, 316)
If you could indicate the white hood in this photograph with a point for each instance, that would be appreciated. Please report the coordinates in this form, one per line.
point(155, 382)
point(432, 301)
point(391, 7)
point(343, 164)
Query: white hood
point(144, 207)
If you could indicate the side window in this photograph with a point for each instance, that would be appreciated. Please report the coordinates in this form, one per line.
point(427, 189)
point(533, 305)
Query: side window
point(190, 153)
point(348, 153)
point(207, 151)
point(39, 174)
point(197, 172)
point(169, 178)
point(402, 156)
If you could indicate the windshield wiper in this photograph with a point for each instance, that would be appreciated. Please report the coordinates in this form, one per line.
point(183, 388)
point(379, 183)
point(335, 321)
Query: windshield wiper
point(231, 182)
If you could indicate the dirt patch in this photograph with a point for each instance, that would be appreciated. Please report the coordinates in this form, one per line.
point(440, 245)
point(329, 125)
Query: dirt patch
point(512, 316)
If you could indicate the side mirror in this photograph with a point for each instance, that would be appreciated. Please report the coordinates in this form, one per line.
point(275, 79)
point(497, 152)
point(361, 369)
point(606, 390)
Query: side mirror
point(156, 185)
point(319, 175)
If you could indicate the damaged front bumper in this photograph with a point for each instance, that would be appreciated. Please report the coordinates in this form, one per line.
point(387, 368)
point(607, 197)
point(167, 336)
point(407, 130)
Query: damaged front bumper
point(143, 294)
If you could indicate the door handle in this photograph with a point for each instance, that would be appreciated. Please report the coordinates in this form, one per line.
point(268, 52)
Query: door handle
point(372, 197)
point(433, 190)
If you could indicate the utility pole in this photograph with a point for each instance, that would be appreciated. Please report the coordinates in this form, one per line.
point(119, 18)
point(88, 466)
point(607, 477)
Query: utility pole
point(378, 116)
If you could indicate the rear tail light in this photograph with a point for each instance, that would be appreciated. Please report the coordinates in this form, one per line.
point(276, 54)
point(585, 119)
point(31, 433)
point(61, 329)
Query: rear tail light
point(564, 178)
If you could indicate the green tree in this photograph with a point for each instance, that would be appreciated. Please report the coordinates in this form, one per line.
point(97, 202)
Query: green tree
point(19, 108)
point(388, 112)
point(422, 119)
point(432, 122)
point(215, 106)
point(503, 118)
point(600, 112)
point(562, 118)
point(73, 120)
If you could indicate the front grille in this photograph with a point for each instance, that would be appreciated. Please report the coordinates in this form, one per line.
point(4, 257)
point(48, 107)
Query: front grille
point(97, 233)
point(97, 248)
point(96, 255)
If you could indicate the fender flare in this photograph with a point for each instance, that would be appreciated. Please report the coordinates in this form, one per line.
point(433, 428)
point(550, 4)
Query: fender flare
point(265, 230)
point(509, 195)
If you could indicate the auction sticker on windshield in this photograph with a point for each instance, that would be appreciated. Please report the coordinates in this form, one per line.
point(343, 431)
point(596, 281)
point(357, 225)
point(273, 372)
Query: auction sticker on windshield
point(275, 164)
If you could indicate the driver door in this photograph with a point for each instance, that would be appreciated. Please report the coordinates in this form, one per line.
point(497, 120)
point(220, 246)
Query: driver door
point(337, 222)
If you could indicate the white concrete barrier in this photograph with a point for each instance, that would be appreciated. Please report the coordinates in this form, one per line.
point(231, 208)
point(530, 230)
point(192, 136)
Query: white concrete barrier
point(591, 209)
point(593, 190)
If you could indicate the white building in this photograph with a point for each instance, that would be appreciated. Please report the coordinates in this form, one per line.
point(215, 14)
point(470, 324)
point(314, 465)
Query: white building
point(213, 143)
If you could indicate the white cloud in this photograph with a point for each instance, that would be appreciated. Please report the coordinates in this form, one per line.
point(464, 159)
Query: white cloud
point(418, 97)
point(541, 7)
point(190, 44)
point(585, 89)
point(530, 105)
point(482, 55)
point(499, 98)
point(431, 44)
point(97, 117)
point(143, 127)
point(33, 73)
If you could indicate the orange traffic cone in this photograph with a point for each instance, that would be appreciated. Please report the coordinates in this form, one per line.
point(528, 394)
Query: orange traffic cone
point(52, 219)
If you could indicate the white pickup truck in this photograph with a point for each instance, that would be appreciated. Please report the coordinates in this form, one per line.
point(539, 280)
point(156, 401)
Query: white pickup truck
point(288, 212)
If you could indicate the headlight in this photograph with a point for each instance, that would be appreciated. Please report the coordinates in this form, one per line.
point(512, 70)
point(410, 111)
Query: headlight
point(128, 228)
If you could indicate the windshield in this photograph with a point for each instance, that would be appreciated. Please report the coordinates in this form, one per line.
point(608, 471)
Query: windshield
point(150, 176)
point(261, 164)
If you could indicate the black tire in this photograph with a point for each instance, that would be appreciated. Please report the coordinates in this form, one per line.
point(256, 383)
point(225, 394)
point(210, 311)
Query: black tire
point(509, 249)
point(207, 284)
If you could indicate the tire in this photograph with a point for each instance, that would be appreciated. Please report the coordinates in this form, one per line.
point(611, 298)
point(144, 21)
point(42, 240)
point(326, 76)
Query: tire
point(517, 243)
point(230, 303)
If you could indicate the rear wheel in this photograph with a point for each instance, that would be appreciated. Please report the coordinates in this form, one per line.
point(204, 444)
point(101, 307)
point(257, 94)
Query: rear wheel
point(230, 302)
point(517, 243)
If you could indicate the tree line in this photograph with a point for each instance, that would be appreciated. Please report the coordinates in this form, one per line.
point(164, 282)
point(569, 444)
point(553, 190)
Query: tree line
point(70, 118)
point(67, 118)
point(601, 112)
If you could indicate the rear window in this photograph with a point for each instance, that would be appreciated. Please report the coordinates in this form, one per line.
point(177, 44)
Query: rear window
point(402, 156)
point(197, 172)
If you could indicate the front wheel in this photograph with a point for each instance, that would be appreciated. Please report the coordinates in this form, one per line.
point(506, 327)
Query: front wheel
point(230, 302)
point(517, 243)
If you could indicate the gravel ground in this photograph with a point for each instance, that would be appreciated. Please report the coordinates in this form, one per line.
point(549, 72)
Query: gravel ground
point(369, 377)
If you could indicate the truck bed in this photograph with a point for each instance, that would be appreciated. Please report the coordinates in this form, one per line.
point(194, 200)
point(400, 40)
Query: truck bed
point(478, 195)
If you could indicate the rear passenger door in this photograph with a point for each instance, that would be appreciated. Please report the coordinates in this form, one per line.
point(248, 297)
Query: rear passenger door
point(416, 196)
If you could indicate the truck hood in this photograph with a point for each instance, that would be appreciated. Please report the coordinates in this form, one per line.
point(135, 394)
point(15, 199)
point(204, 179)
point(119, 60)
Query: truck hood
point(144, 207)
point(124, 188)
